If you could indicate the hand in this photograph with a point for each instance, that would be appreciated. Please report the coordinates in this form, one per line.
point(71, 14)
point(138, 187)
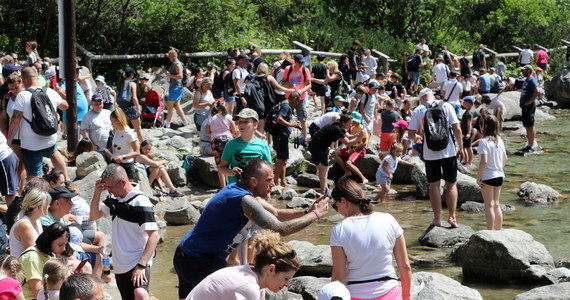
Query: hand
point(72, 219)
point(100, 186)
point(243, 101)
point(119, 159)
point(321, 206)
point(468, 136)
point(139, 108)
point(139, 276)
point(237, 171)
point(480, 182)
point(390, 176)
point(294, 124)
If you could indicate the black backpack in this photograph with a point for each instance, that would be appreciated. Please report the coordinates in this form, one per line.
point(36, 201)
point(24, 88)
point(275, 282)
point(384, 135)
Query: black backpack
point(44, 115)
point(184, 75)
point(343, 88)
point(218, 85)
point(259, 93)
point(436, 127)
point(271, 125)
point(229, 83)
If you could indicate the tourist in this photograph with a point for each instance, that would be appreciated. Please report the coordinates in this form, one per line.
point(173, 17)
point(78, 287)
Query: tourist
point(54, 273)
point(352, 60)
point(526, 57)
point(414, 65)
point(388, 117)
point(97, 124)
point(367, 274)
point(33, 55)
point(319, 71)
point(10, 287)
point(396, 90)
point(332, 79)
point(275, 264)
point(128, 102)
point(156, 171)
point(498, 108)
point(298, 77)
point(15, 207)
point(441, 73)
point(322, 121)
point(229, 89)
point(527, 104)
point(368, 106)
point(124, 146)
point(284, 122)
point(106, 92)
point(451, 92)
point(26, 230)
point(541, 59)
point(371, 63)
point(82, 287)
point(483, 82)
point(202, 102)
point(176, 90)
point(468, 120)
point(220, 129)
point(479, 60)
point(239, 75)
point(347, 157)
point(387, 168)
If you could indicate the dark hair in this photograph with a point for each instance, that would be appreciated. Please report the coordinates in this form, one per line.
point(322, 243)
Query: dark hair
point(345, 118)
point(53, 176)
point(217, 108)
point(320, 57)
point(356, 42)
point(14, 78)
point(50, 234)
point(253, 168)
point(78, 286)
point(36, 183)
point(342, 57)
point(352, 192)
point(486, 99)
point(490, 127)
point(229, 61)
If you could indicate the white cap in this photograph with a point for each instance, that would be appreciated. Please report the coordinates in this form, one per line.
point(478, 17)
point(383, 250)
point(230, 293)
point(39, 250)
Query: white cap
point(426, 91)
point(333, 289)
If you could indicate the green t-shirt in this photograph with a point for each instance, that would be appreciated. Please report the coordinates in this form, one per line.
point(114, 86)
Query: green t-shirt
point(238, 153)
point(33, 263)
point(49, 219)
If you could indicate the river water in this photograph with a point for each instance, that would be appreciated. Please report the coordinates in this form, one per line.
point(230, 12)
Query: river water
point(547, 224)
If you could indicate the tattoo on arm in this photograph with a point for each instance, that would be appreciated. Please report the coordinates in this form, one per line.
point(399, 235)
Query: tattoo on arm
point(17, 114)
point(254, 211)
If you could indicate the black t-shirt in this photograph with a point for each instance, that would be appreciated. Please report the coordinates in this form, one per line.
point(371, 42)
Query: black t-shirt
point(390, 88)
point(414, 63)
point(351, 58)
point(464, 63)
point(478, 57)
point(328, 134)
point(345, 72)
point(334, 84)
point(13, 210)
point(388, 117)
point(406, 116)
point(319, 72)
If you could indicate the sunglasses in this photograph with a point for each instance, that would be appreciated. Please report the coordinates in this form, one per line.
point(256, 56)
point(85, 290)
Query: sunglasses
point(290, 255)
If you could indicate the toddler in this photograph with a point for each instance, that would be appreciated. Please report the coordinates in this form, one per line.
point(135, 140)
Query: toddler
point(387, 168)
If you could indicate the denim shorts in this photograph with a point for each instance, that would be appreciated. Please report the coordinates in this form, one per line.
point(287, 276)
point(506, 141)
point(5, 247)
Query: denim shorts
point(33, 159)
point(415, 76)
point(381, 178)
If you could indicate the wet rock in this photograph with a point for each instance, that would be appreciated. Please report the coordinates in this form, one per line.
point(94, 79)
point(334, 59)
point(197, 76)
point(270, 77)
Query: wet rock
point(299, 202)
point(181, 212)
point(88, 162)
point(290, 180)
point(513, 110)
point(276, 191)
point(430, 286)
point(476, 207)
point(512, 127)
point(437, 236)
point(205, 170)
point(295, 160)
point(288, 194)
point(311, 180)
point(283, 294)
point(311, 168)
point(177, 174)
point(514, 252)
point(307, 286)
point(315, 260)
point(467, 189)
point(419, 178)
point(558, 88)
point(311, 194)
point(537, 193)
point(561, 263)
point(557, 275)
point(550, 292)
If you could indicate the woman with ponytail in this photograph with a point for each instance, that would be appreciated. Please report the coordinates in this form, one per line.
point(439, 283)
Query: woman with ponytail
point(54, 273)
point(362, 246)
point(275, 263)
point(33, 55)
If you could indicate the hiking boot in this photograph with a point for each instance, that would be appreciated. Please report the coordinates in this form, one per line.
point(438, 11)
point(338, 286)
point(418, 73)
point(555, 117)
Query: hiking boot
point(166, 125)
point(175, 193)
point(527, 149)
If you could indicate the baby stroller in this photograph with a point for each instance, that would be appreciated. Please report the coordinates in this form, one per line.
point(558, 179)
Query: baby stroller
point(152, 110)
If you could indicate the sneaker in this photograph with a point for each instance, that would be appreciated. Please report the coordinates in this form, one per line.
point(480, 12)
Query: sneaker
point(166, 125)
point(185, 123)
point(527, 149)
point(175, 193)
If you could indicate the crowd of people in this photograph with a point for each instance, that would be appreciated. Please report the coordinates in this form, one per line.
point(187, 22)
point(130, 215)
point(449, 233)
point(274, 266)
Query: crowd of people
point(239, 112)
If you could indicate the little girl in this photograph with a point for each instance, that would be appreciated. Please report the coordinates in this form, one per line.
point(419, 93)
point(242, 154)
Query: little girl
point(387, 168)
point(54, 274)
point(493, 158)
point(10, 288)
point(221, 129)
point(156, 171)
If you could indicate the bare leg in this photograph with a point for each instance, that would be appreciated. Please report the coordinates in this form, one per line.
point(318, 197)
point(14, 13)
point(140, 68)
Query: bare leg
point(21, 168)
point(141, 294)
point(323, 107)
point(179, 110)
point(304, 129)
point(280, 171)
point(487, 193)
point(163, 174)
point(138, 129)
point(435, 199)
point(222, 178)
point(451, 200)
point(323, 174)
point(230, 107)
point(58, 162)
point(352, 168)
point(497, 208)
point(338, 159)
point(530, 135)
point(261, 125)
point(153, 175)
point(384, 192)
point(170, 110)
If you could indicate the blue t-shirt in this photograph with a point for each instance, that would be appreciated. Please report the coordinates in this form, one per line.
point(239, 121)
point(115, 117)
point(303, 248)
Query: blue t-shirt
point(238, 153)
point(216, 232)
point(485, 83)
point(287, 113)
point(528, 88)
point(82, 103)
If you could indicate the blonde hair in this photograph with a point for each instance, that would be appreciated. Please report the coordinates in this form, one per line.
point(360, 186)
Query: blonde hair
point(205, 81)
point(333, 66)
point(33, 199)
point(9, 266)
point(269, 249)
point(119, 115)
point(262, 69)
point(54, 272)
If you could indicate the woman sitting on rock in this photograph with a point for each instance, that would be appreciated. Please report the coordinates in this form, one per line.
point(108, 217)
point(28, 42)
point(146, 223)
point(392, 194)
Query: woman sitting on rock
point(367, 274)
point(25, 232)
point(274, 265)
point(156, 171)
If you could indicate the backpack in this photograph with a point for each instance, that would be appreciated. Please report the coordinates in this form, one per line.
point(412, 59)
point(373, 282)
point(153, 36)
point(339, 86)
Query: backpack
point(286, 76)
point(259, 93)
point(229, 83)
point(271, 125)
point(44, 115)
point(343, 88)
point(412, 62)
point(125, 96)
point(436, 127)
point(218, 85)
point(497, 83)
point(184, 75)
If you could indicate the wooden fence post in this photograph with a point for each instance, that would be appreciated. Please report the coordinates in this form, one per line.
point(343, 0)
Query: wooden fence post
point(86, 56)
point(492, 56)
point(305, 50)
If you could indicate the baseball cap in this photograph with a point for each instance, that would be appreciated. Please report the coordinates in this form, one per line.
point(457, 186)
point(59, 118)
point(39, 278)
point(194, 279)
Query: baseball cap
point(97, 97)
point(356, 117)
point(476, 73)
point(452, 73)
point(339, 98)
point(100, 78)
point(426, 91)
point(469, 99)
point(144, 76)
point(298, 57)
point(61, 192)
point(75, 238)
point(401, 123)
point(8, 69)
point(381, 74)
point(365, 77)
point(334, 289)
point(247, 113)
point(373, 84)
point(527, 67)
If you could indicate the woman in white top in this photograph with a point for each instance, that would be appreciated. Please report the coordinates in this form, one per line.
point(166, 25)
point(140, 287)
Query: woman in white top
point(125, 145)
point(275, 263)
point(362, 245)
point(371, 63)
point(493, 158)
point(202, 102)
point(26, 230)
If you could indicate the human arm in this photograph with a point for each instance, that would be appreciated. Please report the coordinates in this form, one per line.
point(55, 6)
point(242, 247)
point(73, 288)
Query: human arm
point(135, 146)
point(533, 97)
point(403, 263)
point(14, 125)
point(20, 296)
point(277, 86)
point(339, 263)
point(145, 160)
point(135, 98)
point(234, 129)
point(406, 163)
point(208, 129)
point(35, 285)
point(457, 131)
point(280, 120)
point(85, 134)
point(226, 171)
point(482, 165)
point(95, 211)
point(254, 211)
point(351, 141)
point(25, 234)
point(139, 274)
point(178, 75)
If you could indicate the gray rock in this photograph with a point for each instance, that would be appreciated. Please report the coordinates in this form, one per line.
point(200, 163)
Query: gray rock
point(550, 292)
point(295, 160)
point(419, 178)
point(368, 165)
point(283, 294)
point(311, 180)
point(154, 132)
point(514, 252)
point(72, 173)
point(277, 191)
point(557, 275)
point(311, 194)
point(177, 175)
point(88, 162)
point(288, 194)
point(205, 170)
point(467, 189)
point(198, 205)
point(87, 185)
point(171, 156)
point(537, 193)
point(513, 110)
point(558, 88)
point(142, 179)
point(181, 212)
point(315, 260)
point(437, 236)
point(476, 207)
point(290, 180)
point(299, 202)
point(311, 168)
point(435, 286)
point(307, 286)
point(179, 142)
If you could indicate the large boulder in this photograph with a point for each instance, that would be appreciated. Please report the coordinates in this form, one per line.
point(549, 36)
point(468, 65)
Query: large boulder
point(437, 236)
point(467, 189)
point(558, 88)
point(299, 202)
point(311, 180)
point(177, 174)
point(295, 160)
point(432, 286)
point(205, 170)
point(476, 207)
point(283, 294)
point(142, 179)
point(88, 162)
point(514, 252)
point(557, 275)
point(179, 142)
point(419, 178)
point(87, 185)
point(513, 110)
point(181, 212)
point(307, 286)
point(559, 291)
point(537, 193)
point(368, 165)
point(315, 260)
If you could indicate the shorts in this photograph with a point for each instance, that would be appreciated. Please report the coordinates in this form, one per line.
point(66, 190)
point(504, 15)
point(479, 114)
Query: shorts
point(319, 89)
point(205, 148)
point(217, 147)
point(313, 128)
point(352, 157)
point(281, 145)
point(198, 120)
point(415, 76)
point(228, 98)
point(129, 169)
point(175, 93)
point(467, 142)
point(353, 74)
point(497, 181)
point(319, 153)
point(191, 270)
point(125, 284)
point(16, 142)
point(9, 175)
point(543, 66)
point(33, 159)
point(386, 140)
point(448, 166)
point(393, 293)
point(528, 115)
point(301, 111)
point(131, 112)
point(381, 178)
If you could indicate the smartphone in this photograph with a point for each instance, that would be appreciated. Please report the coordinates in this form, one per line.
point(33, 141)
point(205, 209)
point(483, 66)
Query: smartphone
point(327, 193)
point(81, 265)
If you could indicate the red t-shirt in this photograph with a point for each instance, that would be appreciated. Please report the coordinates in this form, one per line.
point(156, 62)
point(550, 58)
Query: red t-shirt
point(296, 78)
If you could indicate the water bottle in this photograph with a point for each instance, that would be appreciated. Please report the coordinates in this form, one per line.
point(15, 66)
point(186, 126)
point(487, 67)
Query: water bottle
point(106, 258)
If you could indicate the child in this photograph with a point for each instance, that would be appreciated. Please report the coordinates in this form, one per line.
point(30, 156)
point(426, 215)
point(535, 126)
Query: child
point(80, 208)
point(105, 91)
point(467, 121)
point(356, 96)
point(54, 274)
point(338, 104)
point(347, 157)
point(401, 129)
point(387, 168)
point(490, 175)
point(221, 130)
point(10, 288)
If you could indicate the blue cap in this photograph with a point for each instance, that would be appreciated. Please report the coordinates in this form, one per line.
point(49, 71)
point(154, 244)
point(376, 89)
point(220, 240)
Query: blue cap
point(469, 99)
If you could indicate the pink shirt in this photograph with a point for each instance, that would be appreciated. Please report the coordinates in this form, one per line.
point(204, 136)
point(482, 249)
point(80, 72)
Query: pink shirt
point(9, 288)
point(541, 56)
point(296, 78)
point(220, 126)
point(233, 283)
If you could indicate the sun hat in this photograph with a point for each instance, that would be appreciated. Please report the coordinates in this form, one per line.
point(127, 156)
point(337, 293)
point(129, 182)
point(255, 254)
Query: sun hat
point(247, 113)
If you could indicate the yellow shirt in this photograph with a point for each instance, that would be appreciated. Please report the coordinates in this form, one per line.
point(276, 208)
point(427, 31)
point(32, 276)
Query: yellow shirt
point(355, 130)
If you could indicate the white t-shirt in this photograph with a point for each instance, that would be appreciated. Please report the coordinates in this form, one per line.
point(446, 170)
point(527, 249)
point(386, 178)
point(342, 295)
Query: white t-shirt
point(495, 102)
point(392, 164)
point(526, 56)
point(369, 102)
point(424, 46)
point(452, 97)
point(122, 140)
point(495, 157)
point(240, 73)
point(129, 238)
point(232, 283)
point(417, 123)
point(98, 126)
point(29, 139)
point(370, 61)
point(368, 242)
point(5, 151)
point(52, 294)
point(326, 119)
point(440, 71)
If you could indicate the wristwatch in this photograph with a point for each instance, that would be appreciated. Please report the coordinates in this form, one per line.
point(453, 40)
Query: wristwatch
point(141, 266)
